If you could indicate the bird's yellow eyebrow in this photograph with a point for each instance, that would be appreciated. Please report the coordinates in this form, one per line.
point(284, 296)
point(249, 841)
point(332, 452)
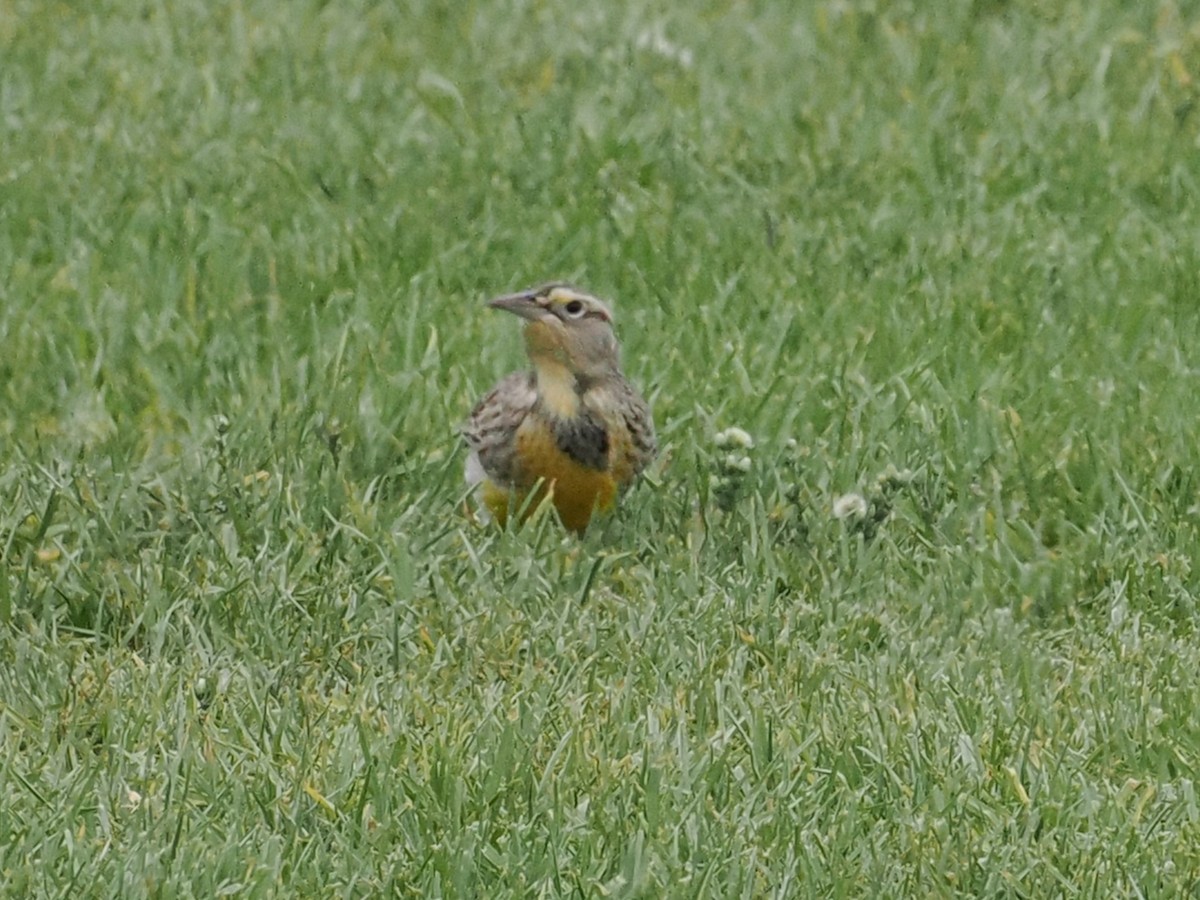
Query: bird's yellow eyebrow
point(561, 296)
point(564, 295)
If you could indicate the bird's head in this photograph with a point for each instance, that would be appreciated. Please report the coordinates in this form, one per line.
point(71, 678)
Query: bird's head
point(566, 327)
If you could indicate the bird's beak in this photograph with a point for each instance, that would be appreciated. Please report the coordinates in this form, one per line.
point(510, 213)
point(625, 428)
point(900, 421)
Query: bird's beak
point(524, 304)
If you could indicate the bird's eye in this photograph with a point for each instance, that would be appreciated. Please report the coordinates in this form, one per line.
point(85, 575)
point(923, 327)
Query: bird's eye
point(574, 309)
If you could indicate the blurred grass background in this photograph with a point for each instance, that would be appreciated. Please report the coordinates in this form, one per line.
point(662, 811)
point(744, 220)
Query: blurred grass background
point(942, 267)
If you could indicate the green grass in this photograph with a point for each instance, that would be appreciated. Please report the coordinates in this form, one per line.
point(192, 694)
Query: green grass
point(250, 644)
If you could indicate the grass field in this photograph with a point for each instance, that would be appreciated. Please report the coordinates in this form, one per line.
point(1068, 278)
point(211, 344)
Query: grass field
point(940, 262)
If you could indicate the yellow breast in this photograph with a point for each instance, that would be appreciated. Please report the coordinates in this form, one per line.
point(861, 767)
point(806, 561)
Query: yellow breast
point(575, 490)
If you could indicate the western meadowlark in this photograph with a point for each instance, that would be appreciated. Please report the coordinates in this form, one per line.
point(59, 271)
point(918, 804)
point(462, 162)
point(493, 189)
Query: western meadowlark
point(572, 429)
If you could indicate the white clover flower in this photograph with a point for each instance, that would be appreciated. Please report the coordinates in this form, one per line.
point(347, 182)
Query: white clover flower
point(892, 475)
point(737, 463)
point(849, 506)
point(656, 41)
point(734, 437)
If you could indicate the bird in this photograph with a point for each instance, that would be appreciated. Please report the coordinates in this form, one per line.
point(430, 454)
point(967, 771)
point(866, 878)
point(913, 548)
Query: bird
point(571, 429)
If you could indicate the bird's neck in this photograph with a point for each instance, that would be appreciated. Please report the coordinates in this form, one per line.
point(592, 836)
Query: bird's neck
point(558, 387)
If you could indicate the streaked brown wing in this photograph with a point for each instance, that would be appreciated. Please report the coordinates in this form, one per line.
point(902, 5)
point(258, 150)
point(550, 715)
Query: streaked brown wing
point(491, 428)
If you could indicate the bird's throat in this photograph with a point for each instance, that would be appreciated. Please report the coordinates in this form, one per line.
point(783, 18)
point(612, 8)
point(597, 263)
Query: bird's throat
point(557, 388)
